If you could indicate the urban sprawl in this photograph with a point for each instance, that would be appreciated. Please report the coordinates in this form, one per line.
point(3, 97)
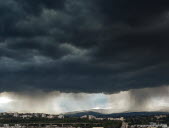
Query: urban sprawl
point(41, 120)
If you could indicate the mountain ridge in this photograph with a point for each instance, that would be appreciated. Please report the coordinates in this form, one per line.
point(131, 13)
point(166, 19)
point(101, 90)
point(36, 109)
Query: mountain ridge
point(122, 114)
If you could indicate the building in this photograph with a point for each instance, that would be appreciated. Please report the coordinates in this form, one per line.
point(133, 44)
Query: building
point(85, 116)
point(99, 118)
point(124, 125)
point(50, 116)
point(44, 115)
point(97, 127)
point(61, 116)
point(4, 113)
point(151, 125)
point(26, 116)
point(36, 114)
point(16, 115)
point(6, 125)
point(90, 117)
point(17, 125)
point(160, 116)
point(121, 119)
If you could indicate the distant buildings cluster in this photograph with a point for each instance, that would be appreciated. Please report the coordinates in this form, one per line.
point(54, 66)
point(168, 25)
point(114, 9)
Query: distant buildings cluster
point(160, 116)
point(47, 126)
point(151, 125)
point(91, 117)
point(31, 115)
point(44, 126)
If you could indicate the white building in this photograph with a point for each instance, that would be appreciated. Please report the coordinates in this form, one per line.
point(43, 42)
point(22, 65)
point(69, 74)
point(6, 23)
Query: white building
point(43, 115)
point(99, 118)
point(61, 116)
point(91, 117)
point(36, 114)
point(160, 116)
point(17, 125)
point(26, 116)
point(16, 115)
point(4, 113)
point(82, 117)
point(124, 125)
point(50, 116)
point(97, 127)
point(6, 125)
point(121, 119)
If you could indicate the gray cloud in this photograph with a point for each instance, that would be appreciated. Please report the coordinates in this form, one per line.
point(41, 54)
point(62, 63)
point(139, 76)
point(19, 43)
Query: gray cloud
point(50, 102)
point(147, 99)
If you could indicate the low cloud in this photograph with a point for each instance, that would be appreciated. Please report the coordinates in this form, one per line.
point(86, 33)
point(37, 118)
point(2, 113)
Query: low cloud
point(147, 99)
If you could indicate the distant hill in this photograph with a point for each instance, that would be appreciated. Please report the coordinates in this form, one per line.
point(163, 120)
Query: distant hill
point(79, 114)
point(125, 114)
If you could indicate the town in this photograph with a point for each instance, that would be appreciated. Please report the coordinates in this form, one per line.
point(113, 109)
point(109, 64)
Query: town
point(42, 120)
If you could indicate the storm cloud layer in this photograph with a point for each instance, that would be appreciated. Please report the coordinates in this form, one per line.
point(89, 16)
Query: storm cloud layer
point(83, 45)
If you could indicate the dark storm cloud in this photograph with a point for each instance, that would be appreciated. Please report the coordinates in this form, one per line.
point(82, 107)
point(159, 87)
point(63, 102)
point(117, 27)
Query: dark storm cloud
point(87, 46)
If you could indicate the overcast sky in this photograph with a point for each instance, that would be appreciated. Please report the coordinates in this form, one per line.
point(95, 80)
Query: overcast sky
point(83, 48)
